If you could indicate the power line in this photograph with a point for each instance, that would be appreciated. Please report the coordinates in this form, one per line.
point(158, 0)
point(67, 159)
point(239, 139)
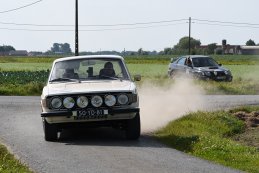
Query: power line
point(229, 25)
point(96, 25)
point(90, 30)
point(224, 22)
point(139, 25)
point(18, 8)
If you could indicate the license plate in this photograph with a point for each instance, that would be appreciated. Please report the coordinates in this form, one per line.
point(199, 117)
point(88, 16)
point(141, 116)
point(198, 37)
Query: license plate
point(221, 77)
point(91, 114)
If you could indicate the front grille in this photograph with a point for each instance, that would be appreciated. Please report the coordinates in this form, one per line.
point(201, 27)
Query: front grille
point(219, 73)
point(132, 99)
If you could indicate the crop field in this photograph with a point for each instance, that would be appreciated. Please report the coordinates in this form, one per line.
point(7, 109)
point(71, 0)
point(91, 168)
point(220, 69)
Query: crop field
point(27, 76)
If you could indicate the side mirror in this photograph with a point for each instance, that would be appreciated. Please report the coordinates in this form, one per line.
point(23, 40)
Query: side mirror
point(137, 77)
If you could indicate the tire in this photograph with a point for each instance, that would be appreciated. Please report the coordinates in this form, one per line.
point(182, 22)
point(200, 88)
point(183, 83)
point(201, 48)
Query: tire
point(172, 75)
point(50, 131)
point(133, 128)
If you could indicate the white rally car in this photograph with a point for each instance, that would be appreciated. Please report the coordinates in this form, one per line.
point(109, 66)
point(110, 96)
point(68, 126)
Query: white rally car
point(90, 91)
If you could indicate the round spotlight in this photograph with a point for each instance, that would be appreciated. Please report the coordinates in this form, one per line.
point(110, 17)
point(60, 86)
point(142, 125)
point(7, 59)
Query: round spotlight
point(110, 100)
point(82, 101)
point(97, 101)
point(69, 102)
point(56, 103)
point(123, 99)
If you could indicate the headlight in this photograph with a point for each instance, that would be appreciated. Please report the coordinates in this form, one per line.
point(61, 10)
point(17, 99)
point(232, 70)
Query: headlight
point(56, 102)
point(227, 72)
point(207, 73)
point(82, 101)
point(123, 99)
point(97, 101)
point(110, 100)
point(69, 102)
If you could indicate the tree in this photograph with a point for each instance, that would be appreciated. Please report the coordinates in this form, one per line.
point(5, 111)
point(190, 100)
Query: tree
point(167, 51)
point(55, 47)
point(250, 43)
point(184, 43)
point(5, 48)
point(211, 48)
point(66, 48)
point(61, 48)
point(140, 51)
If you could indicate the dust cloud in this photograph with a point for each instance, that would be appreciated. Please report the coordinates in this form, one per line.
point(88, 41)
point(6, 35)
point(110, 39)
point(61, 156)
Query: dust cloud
point(159, 105)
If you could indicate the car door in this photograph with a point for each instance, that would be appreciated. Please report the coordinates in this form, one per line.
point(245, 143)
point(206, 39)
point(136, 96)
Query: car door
point(180, 66)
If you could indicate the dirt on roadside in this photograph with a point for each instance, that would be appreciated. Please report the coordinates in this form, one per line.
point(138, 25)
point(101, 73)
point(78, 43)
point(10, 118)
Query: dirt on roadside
point(251, 134)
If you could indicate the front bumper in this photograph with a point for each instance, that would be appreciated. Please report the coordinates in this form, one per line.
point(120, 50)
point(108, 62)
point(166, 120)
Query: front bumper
point(72, 113)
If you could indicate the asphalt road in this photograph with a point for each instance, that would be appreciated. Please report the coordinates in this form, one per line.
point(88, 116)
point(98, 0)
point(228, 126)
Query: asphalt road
point(96, 150)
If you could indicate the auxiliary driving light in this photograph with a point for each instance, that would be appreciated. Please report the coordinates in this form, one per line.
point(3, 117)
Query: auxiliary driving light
point(123, 99)
point(69, 102)
point(56, 103)
point(110, 100)
point(82, 101)
point(97, 101)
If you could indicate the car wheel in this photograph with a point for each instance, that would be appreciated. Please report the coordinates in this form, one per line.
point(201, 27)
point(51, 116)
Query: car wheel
point(229, 79)
point(50, 131)
point(172, 75)
point(133, 128)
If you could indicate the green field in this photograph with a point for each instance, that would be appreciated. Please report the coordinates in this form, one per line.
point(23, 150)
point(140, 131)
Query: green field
point(245, 70)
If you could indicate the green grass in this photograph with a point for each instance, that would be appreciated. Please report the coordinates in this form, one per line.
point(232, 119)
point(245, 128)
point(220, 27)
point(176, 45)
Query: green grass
point(208, 135)
point(29, 89)
point(24, 66)
point(154, 69)
point(8, 164)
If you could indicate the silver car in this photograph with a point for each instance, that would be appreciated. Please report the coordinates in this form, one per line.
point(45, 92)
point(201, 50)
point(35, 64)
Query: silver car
point(199, 66)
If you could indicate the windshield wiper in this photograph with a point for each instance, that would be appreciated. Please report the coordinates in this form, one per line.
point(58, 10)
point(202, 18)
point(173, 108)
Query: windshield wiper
point(65, 79)
point(110, 77)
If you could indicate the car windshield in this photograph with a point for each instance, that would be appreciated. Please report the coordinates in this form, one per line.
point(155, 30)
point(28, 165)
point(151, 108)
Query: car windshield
point(204, 62)
point(89, 69)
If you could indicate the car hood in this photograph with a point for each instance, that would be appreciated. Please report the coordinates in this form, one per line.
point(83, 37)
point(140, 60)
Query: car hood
point(89, 87)
point(211, 69)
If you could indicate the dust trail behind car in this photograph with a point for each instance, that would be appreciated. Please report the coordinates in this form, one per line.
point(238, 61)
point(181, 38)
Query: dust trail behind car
point(159, 105)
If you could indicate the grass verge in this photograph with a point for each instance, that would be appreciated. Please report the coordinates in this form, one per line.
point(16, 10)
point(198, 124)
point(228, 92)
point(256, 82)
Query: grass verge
point(8, 163)
point(211, 136)
point(29, 89)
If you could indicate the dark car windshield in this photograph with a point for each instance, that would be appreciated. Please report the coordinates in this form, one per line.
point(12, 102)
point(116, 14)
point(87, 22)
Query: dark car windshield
point(204, 62)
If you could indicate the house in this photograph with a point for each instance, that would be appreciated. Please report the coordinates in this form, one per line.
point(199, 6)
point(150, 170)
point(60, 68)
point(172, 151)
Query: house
point(18, 53)
point(249, 50)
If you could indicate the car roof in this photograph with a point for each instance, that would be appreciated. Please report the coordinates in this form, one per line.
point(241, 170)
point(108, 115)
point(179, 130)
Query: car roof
point(196, 56)
point(89, 57)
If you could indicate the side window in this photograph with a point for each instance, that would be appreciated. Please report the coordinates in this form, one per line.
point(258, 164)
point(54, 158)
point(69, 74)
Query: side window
point(181, 61)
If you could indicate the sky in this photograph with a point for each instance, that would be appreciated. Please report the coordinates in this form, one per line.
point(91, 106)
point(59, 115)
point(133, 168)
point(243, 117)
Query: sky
point(154, 36)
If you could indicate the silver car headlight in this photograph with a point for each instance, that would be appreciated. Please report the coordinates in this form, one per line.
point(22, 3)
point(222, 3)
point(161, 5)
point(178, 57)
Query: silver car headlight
point(110, 100)
point(56, 103)
point(207, 73)
point(82, 101)
point(97, 101)
point(227, 72)
point(69, 102)
point(123, 99)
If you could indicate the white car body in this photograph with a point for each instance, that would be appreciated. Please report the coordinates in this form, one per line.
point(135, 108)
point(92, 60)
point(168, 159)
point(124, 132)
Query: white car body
point(59, 90)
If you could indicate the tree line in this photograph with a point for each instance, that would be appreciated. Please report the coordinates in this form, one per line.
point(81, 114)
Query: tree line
point(182, 47)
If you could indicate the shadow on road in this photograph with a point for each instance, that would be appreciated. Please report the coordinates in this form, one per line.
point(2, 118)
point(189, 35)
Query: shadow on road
point(105, 137)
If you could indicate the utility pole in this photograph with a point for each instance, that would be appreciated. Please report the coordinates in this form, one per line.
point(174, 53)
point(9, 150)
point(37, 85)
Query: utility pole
point(190, 20)
point(76, 31)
